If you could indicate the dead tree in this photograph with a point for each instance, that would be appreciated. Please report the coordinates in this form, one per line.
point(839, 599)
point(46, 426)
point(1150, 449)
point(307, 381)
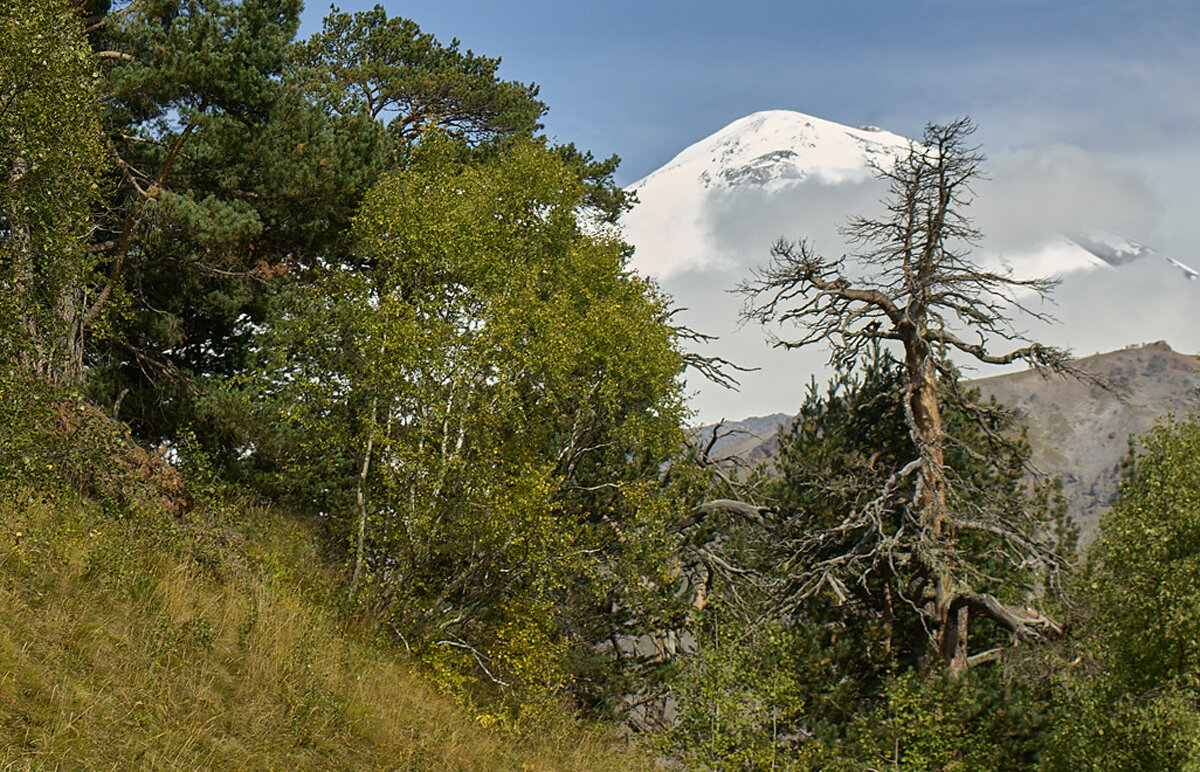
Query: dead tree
point(911, 283)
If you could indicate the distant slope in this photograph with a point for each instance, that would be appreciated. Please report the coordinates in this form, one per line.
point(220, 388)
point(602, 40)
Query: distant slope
point(752, 439)
point(1078, 431)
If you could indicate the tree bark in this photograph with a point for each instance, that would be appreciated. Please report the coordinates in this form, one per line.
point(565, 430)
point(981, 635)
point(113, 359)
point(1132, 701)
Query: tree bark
point(361, 499)
point(925, 422)
point(21, 241)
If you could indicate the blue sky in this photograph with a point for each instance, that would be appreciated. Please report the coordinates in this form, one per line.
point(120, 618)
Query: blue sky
point(645, 79)
point(1086, 110)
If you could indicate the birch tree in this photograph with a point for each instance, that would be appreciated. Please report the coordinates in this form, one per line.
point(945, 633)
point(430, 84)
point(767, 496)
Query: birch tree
point(51, 163)
point(491, 395)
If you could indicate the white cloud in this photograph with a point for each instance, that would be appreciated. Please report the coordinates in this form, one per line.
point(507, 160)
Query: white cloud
point(702, 245)
point(669, 232)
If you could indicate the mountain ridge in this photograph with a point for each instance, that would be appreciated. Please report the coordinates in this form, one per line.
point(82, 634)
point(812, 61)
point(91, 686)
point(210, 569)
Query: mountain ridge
point(1078, 431)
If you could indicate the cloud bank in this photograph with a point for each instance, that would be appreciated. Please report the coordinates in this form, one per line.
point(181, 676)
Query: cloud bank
point(706, 243)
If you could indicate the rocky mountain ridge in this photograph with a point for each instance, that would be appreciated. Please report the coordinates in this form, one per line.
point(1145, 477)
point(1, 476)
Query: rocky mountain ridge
point(1079, 431)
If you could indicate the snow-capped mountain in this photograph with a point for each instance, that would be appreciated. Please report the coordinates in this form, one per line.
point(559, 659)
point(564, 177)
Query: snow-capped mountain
point(1113, 248)
point(1116, 250)
point(767, 152)
point(707, 218)
point(773, 149)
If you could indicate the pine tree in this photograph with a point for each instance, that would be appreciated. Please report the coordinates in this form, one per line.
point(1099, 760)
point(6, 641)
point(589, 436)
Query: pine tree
point(921, 291)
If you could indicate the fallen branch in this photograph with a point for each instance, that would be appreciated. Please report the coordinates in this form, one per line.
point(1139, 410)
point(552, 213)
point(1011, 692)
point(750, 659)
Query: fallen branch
point(478, 659)
point(1025, 623)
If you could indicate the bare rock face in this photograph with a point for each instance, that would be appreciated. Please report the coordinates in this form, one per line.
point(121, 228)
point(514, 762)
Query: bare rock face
point(751, 440)
point(1082, 432)
point(1078, 431)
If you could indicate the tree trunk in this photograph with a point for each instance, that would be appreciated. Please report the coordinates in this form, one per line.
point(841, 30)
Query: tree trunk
point(361, 499)
point(48, 316)
point(21, 248)
point(925, 422)
point(954, 640)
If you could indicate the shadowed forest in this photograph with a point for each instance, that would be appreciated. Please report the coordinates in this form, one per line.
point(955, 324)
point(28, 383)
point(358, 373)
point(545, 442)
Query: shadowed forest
point(336, 431)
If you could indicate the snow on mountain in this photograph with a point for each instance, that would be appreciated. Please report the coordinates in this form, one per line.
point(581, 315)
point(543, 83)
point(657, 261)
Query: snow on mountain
point(706, 220)
point(1116, 249)
point(1189, 273)
point(1113, 248)
point(775, 148)
point(766, 152)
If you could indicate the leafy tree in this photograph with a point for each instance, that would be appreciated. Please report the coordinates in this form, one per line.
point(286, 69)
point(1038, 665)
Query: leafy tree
point(242, 156)
point(920, 290)
point(1132, 695)
point(487, 408)
point(982, 720)
point(388, 70)
point(1145, 566)
point(742, 702)
point(52, 165)
point(366, 66)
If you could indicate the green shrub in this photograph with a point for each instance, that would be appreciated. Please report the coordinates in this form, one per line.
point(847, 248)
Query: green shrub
point(1136, 703)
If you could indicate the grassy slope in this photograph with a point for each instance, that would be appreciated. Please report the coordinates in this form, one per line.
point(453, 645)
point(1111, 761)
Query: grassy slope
point(147, 643)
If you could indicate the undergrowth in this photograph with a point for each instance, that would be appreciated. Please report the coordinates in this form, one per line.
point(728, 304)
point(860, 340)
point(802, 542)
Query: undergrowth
point(132, 638)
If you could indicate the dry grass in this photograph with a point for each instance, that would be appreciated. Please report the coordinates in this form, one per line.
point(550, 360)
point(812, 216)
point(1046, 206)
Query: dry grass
point(144, 644)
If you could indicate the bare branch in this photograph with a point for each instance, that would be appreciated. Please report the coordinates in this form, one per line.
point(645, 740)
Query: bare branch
point(912, 281)
point(478, 660)
point(713, 368)
point(1025, 623)
point(748, 511)
point(118, 55)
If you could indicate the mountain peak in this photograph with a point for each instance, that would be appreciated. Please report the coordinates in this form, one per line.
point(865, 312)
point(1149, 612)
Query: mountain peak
point(772, 149)
point(763, 153)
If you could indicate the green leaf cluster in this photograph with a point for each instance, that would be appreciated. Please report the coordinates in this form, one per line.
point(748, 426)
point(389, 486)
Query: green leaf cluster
point(51, 178)
point(489, 396)
point(1133, 695)
point(390, 71)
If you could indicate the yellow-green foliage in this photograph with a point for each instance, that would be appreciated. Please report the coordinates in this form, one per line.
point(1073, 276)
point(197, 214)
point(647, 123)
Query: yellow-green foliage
point(492, 391)
point(1135, 703)
point(152, 643)
point(1146, 565)
point(51, 162)
point(919, 730)
point(739, 698)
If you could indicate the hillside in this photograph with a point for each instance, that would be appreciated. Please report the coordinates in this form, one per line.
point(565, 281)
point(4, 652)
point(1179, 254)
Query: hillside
point(210, 642)
point(751, 439)
point(1079, 432)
